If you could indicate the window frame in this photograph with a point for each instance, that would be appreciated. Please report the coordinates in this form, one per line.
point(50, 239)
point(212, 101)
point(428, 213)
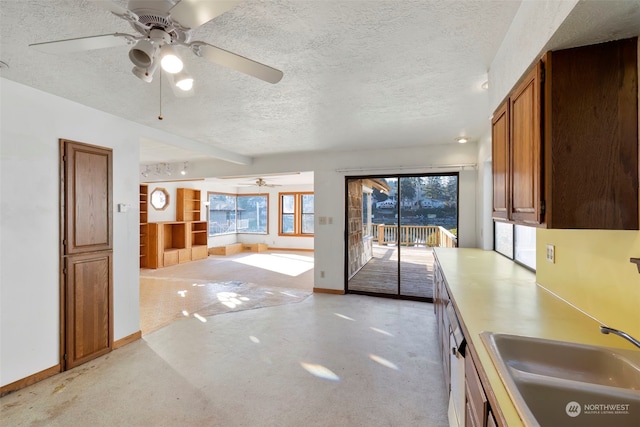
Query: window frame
point(297, 213)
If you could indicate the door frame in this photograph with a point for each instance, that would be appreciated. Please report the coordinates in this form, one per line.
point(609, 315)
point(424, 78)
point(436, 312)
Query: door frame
point(397, 176)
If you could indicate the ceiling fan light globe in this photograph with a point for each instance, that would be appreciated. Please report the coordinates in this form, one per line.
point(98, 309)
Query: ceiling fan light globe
point(141, 54)
point(171, 64)
point(169, 60)
point(184, 82)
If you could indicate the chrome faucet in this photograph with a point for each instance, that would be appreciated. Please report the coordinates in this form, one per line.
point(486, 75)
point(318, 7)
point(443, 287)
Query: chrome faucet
point(608, 330)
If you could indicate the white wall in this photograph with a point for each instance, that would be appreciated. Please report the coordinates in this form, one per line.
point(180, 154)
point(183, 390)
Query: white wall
point(534, 24)
point(32, 122)
point(484, 195)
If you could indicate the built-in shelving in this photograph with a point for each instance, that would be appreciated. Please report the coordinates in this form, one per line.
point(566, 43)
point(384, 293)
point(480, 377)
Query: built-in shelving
point(188, 206)
point(144, 225)
point(183, 240)
point(199, 247)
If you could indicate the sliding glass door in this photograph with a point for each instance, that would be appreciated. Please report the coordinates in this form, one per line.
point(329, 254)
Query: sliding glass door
point(392, 224)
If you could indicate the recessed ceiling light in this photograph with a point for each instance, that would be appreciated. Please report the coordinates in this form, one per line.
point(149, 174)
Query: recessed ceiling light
point(462, 139)
point(485, 85)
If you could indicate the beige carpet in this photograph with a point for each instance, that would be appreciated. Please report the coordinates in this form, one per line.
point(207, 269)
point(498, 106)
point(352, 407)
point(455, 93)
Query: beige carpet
point(164, 300)
point(222, 284)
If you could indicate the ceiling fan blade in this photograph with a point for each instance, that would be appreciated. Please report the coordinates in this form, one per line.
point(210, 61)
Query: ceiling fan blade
point(193, 13)
point(236, 62)
point(83, 43)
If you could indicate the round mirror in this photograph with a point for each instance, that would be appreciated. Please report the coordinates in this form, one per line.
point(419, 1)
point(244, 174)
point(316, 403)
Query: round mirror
point(159, 199)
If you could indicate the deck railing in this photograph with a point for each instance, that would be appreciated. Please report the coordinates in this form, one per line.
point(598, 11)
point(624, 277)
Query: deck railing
point(414, 235)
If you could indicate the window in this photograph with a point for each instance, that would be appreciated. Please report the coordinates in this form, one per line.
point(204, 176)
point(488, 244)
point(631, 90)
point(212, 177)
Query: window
point(503, 239)
point(296, 214)
point(231, 213)
point(252, 213)
point(516, 242)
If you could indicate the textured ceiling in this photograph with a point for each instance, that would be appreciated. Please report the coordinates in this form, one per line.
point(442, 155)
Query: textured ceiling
point(357, 74)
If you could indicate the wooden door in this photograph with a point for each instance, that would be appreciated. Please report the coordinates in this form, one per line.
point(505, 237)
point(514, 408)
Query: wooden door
point(86, 248)
point(500, 160)
point(526, 149)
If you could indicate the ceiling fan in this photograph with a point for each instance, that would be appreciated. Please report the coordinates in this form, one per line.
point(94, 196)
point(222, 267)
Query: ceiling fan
point(161, 25)
point(261, 183)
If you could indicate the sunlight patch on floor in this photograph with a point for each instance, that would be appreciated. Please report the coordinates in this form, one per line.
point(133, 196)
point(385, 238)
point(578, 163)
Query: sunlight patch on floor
point(290, 265)
point(383, 362)
point(320, 371)
point(381, 331)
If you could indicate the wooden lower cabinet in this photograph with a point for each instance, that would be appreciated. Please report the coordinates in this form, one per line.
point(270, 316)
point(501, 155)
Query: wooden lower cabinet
point(478, 411)
point(491, 420)
point(477, 403)
point(199, 252)
point(176, 242)
point(170, 258)
point(440, 301)
point(184, 255)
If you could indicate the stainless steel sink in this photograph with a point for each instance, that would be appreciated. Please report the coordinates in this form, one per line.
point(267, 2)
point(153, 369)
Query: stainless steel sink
point(560, 383)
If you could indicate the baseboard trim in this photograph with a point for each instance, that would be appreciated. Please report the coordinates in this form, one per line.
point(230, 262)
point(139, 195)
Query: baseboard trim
point(271, 248)
point(127, 340)
point(43, 375)
point(31, 379)
point(328, 291)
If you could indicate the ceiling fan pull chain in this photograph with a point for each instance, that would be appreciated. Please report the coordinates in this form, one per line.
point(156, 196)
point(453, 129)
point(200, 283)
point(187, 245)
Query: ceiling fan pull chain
point(160, 97)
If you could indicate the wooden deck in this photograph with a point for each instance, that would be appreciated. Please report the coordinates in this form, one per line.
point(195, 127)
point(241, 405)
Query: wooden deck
point(380, 274)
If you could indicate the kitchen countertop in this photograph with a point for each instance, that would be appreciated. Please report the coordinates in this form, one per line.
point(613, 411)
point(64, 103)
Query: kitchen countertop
point(492, 293)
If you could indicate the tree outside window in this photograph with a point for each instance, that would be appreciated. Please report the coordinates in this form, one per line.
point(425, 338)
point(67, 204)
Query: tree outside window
point(231, 213)
point(252, 213)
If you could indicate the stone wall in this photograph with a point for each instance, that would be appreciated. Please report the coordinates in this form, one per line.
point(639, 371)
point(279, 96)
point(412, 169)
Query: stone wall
point(354, 231)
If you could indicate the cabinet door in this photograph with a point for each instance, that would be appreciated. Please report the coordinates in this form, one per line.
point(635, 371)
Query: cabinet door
point(591, 137)
point(89, 307)
point(500, 162)
point(526, 149)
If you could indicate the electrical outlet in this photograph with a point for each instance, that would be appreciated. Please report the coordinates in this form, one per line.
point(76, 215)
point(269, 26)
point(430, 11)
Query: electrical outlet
point(322, 274)
point(551, 254)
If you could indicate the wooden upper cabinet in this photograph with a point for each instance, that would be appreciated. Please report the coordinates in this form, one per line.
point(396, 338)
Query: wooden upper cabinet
point(591, 136)
point(572, 141)
point(526, 149)
point(500, 162)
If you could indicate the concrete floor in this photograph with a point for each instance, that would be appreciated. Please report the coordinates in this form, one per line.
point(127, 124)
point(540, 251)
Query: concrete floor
point(329, 360)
